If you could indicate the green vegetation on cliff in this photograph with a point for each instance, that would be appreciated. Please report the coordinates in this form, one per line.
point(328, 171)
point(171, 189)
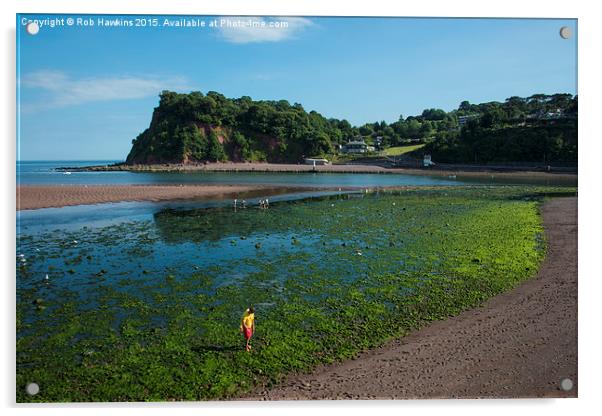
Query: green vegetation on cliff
point(192, 128)
point(195, 127)
point(540, 129)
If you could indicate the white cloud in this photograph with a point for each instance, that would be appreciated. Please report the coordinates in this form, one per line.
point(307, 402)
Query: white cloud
point(260, 29)
point(61, 90)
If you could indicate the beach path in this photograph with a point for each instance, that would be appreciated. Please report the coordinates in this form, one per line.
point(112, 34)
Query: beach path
point(521, 343)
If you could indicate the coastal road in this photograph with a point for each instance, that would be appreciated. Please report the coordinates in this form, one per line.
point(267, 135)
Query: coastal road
point(521, 343)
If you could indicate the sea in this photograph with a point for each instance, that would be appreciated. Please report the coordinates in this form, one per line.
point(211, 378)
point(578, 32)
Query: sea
point(101, 215)
point(46, 173)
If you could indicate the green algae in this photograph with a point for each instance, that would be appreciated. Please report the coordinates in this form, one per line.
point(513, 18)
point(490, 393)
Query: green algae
point(333, 276)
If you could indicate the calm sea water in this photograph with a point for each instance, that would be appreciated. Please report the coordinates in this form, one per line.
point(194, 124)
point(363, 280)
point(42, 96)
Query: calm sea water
point(44, 173)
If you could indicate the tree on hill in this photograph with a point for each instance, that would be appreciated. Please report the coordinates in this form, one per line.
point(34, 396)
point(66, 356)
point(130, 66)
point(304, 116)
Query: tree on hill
point(194, 127)
point(215, 150)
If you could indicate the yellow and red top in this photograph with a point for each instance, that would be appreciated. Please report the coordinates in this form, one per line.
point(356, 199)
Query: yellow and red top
point(248, 319)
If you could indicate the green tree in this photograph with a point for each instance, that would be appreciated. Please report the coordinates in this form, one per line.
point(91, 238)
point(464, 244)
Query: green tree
point(215, 150)
point(242, 144)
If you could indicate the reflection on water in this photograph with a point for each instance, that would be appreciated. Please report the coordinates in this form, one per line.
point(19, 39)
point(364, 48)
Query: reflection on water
point(101, 215)
point(160, 240)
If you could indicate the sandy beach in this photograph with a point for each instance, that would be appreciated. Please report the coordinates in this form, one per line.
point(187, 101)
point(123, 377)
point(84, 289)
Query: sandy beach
point(365, 168)
point(331, 168)
point(518, 344)
point(34, 197)
point(55, 196)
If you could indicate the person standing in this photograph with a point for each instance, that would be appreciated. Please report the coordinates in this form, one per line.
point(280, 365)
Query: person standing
point(247, 326)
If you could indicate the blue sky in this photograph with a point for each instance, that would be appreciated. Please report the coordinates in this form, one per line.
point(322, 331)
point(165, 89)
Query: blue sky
point(86, 92)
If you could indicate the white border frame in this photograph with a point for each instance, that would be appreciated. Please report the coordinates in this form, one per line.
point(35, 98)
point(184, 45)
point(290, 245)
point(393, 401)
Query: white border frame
point(589, 276)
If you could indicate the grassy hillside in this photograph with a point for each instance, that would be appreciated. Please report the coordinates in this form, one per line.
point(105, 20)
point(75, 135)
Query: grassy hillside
point(402, 150)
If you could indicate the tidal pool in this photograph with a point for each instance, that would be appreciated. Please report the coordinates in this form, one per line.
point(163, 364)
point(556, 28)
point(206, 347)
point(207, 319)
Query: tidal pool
point(148, 307)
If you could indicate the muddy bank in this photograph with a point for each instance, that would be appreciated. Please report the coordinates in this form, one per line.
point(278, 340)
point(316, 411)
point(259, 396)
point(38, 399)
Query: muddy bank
point(34, 197)
point(347, 168)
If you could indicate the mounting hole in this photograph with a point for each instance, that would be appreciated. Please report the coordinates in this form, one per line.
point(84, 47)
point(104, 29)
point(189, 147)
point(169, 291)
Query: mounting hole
point(32, 28)
point(566, 384)
point(32, 389)
point(565, 32)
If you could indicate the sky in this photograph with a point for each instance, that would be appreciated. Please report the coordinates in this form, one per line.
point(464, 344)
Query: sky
point(85, 90)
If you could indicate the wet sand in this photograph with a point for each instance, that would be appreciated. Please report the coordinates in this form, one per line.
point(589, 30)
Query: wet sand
point(54, 196)
point(365, 168)
point(34, 197)
point(349, 168)
point(518, 344)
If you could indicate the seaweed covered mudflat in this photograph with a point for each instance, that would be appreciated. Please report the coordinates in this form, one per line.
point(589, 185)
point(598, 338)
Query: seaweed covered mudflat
point(149, 310)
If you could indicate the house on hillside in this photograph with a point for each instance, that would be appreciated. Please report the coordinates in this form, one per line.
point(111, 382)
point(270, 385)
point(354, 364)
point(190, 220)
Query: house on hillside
point(378, 142)
point(463, 120)
point(357, 146)
point(427, 161)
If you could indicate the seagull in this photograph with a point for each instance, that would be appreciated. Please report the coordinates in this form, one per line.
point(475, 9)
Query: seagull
point(46, 278)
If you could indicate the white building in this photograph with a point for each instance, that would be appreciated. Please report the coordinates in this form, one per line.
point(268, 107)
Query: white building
point(357, 146)
point(316, 161)
point(427, 161)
